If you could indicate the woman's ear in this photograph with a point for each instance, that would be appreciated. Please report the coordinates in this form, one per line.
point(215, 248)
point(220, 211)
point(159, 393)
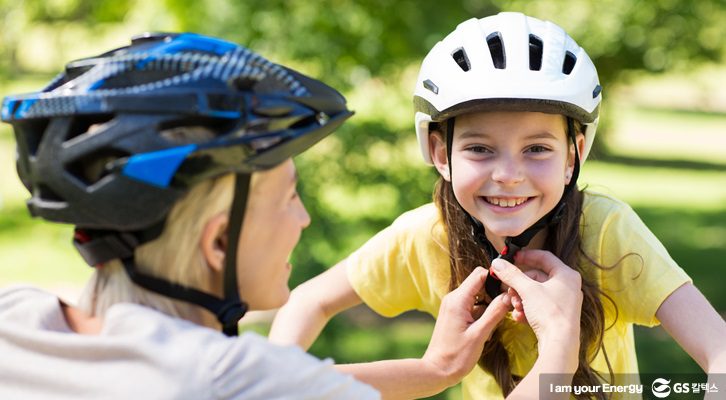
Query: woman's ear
point(437, 149)
point(214, 241)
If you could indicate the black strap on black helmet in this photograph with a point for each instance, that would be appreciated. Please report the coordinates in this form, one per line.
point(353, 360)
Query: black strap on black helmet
point(513, 244)
point(98, 247)
point(236, 308)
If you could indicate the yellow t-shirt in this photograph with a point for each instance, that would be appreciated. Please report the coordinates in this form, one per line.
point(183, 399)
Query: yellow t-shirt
point(406, 267)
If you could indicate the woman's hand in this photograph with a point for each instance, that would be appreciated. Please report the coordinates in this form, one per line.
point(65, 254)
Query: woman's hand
point(458, 337)
point(549, 297)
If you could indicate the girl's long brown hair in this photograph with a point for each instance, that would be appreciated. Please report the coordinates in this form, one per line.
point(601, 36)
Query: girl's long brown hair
point(563, 240)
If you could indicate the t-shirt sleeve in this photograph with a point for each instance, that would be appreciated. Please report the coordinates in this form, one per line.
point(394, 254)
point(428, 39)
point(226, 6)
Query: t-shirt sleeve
point(378, 273)
point(404, 267)
point(250, 367)
point(638, 273)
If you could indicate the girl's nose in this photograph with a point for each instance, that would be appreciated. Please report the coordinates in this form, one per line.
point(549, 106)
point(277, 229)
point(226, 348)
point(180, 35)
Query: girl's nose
point(507, 171)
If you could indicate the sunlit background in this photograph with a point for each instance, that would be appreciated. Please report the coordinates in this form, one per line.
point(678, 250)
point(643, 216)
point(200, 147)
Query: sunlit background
point(661, 146)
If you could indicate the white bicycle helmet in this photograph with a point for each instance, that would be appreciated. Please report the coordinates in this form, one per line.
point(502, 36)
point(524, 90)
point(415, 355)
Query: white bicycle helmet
point(511, 62)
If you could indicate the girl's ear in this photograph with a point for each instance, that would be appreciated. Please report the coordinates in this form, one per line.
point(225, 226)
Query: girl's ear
point(437, 149)
point(580, 140)
point(214, 241)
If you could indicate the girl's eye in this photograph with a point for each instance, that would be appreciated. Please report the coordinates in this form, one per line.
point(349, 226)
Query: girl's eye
point(478, 149)
point(537, 149)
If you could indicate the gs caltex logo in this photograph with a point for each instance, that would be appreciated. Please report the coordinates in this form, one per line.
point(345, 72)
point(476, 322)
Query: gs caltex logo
point(661, 388)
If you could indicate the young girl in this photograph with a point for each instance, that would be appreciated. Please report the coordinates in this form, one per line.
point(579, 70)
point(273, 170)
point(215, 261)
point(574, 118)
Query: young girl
point(506, 110)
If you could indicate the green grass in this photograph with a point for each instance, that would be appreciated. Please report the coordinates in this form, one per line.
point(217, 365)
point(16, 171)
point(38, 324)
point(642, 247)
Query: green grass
point(33, 251)
point(677, 189)
point(669, 134)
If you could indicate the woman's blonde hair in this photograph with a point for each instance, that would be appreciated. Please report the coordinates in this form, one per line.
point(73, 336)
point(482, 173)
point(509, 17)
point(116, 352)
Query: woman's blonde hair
point(175, 255)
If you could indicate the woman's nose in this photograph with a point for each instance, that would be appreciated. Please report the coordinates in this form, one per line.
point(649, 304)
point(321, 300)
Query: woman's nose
point(304, 216)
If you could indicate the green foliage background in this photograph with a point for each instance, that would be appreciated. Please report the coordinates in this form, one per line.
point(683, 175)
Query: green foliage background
point(358, 180)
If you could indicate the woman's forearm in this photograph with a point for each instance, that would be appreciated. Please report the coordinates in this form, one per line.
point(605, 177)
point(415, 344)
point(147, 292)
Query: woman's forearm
point(401, 379)
point(559, 362)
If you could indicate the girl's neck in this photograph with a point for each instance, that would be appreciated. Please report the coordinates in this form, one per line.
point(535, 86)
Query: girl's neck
point(537, 241)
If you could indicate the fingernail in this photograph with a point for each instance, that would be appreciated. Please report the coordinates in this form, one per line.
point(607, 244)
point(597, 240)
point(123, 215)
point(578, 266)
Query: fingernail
point(497, 265)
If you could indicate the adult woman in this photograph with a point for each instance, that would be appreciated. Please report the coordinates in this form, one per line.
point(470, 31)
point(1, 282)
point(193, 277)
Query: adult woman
point(144, 149)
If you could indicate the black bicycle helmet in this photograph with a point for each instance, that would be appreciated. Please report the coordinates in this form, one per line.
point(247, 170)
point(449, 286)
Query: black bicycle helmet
point(111, 110)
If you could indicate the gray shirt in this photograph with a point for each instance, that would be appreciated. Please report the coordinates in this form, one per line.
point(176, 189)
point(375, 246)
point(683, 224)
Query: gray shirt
point(143, 354)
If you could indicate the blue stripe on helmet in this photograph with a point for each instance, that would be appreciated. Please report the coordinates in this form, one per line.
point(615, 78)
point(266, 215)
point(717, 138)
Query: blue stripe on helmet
point(8, 106)
point(192, 41)
point(22, 109)
point(222, 114)
point(96, 84)
point(157, 168)
point(189, 42)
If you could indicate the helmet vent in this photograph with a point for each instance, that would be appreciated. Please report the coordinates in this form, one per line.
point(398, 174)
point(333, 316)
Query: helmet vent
point(45, 193)
point(461, 59)
point(139, 77)
point(569, 63)
point(496, 48)
point(93, 167)
point(535, 53)
point(431, 86)
point(596, 91)
point(32, 132)
point(86, 124)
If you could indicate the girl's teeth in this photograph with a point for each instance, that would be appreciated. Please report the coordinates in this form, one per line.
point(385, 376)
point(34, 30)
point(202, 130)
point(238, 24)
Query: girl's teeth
point(506, 202)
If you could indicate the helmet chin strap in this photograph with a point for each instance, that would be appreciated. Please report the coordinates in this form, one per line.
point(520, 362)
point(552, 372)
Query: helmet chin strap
point(229, 309)
point(512, 244)
point(235, 308)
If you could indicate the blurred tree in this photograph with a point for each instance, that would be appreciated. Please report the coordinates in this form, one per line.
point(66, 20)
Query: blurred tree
point(344, 39)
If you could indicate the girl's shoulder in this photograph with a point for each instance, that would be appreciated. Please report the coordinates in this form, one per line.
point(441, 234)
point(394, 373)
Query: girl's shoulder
point(423, 217)
point(600, 206)
point(420, 227)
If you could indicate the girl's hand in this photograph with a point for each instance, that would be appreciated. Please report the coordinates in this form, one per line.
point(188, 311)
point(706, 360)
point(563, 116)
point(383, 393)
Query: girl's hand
point(550, 303)
point(458, 337)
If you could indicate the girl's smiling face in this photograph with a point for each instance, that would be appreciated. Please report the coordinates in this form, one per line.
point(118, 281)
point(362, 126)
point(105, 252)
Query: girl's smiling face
point(509, 168)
